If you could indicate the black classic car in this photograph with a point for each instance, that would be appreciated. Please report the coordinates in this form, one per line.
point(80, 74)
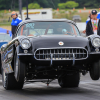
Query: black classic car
point(45, 50)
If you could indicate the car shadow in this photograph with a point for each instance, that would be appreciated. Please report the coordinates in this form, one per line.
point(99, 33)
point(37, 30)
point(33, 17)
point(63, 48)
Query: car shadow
point(51, 90)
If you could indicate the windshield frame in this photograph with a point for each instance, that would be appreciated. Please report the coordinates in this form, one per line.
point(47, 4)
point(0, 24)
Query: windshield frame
point(32, 21)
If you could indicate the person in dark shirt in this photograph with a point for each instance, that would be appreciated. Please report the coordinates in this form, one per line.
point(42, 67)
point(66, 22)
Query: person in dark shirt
point(93, 26)
point(15, 22)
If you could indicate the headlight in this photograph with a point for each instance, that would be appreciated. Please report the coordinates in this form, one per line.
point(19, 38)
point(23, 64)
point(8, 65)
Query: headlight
point(96, 42)
point(25, 43)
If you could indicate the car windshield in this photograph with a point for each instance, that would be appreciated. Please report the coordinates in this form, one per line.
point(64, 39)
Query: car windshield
point(48, 28)
point(4, 37)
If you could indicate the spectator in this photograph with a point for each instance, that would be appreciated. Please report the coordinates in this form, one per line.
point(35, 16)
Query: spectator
point(97, 16)
point(90, 17)
point(93, 25)
point(15, 22)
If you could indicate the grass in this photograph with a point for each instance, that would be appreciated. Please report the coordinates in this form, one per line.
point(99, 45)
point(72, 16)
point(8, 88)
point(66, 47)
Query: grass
point(5, 23)
point(83, 16)
point(4, 11)
point(6, 27)
point(5, 15)
point(60, 15)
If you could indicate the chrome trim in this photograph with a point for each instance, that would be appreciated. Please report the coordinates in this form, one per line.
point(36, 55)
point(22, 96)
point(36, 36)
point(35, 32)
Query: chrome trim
point(73, 59)
point(95, 53)
point(93, 40)
point(29, 44)
point(62, 53)
point(23, 54)
point(92, 37)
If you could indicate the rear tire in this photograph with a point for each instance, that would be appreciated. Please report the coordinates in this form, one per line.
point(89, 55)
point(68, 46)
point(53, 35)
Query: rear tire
point(95, 71)
point(9, 82)
point(69, 81)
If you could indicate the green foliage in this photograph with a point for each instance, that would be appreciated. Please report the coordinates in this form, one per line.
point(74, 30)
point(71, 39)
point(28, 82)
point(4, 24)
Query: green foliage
point(71, 4)
point(11, 4)
point(68, 4)
point(91, 4)
point(61, 5)
point(33, 6)
point(24, 8)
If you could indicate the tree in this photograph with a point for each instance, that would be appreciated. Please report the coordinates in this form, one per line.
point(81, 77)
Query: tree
point(33, 6)
point(8, 4)
point(71, 4)
point(61, 5)
point(91, 4)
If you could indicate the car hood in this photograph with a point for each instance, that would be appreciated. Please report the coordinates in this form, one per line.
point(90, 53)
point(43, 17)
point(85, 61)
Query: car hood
point(47, 41)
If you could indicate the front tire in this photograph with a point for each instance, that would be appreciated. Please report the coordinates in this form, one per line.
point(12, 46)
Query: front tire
point(19, 69)
point(69, 81)
point(95, 71)
point(9, 82)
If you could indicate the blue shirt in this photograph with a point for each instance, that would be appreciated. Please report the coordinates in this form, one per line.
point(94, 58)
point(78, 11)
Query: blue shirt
point(16, 21)
point(98, 17)
point(14, 24)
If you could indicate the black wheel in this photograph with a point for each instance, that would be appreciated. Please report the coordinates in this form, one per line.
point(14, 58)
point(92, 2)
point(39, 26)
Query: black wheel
point(95, 71)
point(9, 82)
point(69, 81)
point(19, 69)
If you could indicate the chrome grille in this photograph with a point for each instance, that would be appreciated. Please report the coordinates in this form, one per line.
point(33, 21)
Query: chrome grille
point(61, 54)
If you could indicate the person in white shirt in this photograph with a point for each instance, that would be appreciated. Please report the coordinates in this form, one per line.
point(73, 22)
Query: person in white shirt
point(93, 26)
point(89, 18)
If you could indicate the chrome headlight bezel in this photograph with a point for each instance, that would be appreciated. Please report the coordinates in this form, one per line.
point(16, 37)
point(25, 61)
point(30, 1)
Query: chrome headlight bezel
point(22, 43)
point(94, 39)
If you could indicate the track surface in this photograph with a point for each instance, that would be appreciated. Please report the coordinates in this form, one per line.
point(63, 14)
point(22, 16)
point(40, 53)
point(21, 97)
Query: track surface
point(88, 90)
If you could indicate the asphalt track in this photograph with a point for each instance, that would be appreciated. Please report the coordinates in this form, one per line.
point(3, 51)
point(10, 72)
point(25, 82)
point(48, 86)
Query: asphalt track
point(88, 90)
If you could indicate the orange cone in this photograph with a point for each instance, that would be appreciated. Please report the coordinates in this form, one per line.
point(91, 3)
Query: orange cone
point(79, 11)
point(57, 9)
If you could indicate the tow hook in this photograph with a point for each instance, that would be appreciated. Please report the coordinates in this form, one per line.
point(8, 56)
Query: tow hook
point(84, 72)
